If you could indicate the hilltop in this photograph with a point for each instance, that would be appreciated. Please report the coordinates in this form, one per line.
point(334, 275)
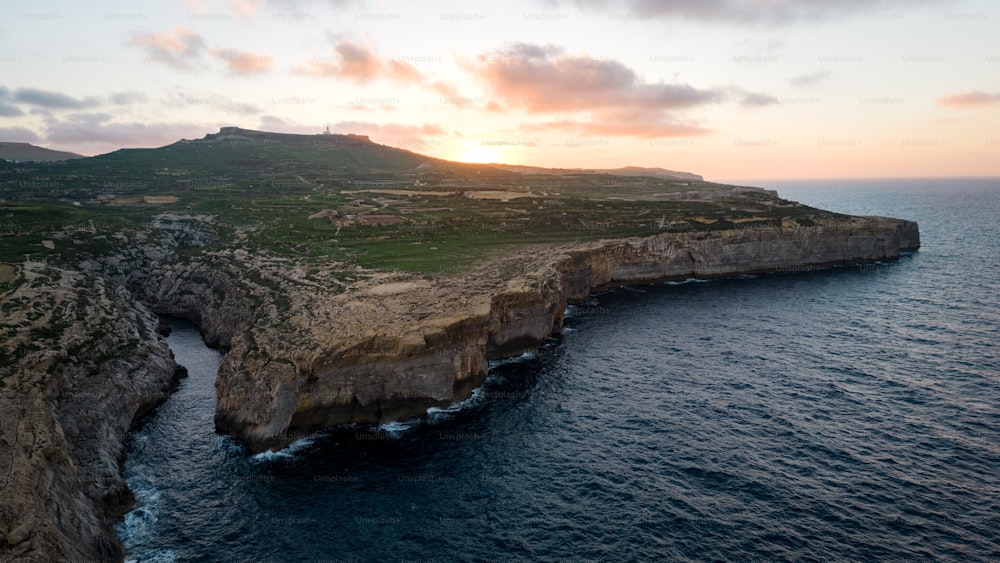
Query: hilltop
point(25, 152)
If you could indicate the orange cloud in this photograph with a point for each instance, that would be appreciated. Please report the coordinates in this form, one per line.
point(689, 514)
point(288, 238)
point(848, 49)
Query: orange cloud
point(245, 62)
point(545, 80)
point(244, 8)
point(970, 99)
point(361, 64)
point(178, 48)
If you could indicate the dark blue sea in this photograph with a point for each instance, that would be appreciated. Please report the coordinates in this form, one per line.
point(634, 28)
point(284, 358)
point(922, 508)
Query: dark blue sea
point(851, 414)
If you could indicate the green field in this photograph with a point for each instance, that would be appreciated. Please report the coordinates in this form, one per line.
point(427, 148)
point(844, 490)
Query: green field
point(394, 210)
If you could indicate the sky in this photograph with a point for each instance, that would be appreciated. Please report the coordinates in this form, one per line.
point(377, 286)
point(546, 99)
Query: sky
point(724, 88)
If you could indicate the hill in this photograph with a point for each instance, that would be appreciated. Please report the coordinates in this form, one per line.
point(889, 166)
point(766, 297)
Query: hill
point(26, 152)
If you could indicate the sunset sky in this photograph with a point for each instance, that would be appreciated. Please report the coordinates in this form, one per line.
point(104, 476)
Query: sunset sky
point(730, 89)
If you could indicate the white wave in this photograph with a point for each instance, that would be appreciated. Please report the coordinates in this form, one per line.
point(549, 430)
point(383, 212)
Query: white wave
point(289, 451)
point(271, 455)
point(474, 398)
point(689, 280)
point(398, 428)
point(138, 524)
point(227, 443)
point(513, 360)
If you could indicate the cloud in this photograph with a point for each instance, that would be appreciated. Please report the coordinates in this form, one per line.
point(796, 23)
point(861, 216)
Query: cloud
point(970, 99)
point(811, 79)
point(244, 62)
point(361, 64)
point(96, 133)
point(18, 134)
point(244, 8)
point(744, 11)
point(50, 99)
point(543, 79)
point(7, 110)
point(178, 49)
point(752, 99)
point(546, 80)
point(127, 98)
point(44, 100)
point(216, 102)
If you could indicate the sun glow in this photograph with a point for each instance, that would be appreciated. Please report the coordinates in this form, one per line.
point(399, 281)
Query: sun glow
point(479, 153)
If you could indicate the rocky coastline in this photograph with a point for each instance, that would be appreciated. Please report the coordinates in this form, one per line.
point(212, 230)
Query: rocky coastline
point(299, 356)
point(390, 350)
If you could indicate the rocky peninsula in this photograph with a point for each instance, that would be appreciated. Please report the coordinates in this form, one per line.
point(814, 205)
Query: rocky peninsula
point(353, 283)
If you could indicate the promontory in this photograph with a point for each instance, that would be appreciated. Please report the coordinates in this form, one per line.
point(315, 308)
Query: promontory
point(346, 281)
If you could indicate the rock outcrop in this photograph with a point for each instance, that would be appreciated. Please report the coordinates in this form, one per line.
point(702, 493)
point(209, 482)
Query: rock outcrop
point(81, 361)
point(375, 355)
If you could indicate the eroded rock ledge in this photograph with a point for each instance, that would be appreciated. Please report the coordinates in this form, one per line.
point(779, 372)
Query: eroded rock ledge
point(389, 349)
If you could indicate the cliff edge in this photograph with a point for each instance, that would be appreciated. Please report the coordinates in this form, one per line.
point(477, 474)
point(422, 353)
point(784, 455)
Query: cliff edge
point(390, 349)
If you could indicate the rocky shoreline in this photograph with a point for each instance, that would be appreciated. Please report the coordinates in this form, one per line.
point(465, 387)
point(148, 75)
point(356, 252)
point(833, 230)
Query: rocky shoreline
point(385, 352)
point(300, 356)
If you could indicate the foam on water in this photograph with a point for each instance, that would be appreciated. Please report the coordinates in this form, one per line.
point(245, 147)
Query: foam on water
point(685, 282)
point(289, 452)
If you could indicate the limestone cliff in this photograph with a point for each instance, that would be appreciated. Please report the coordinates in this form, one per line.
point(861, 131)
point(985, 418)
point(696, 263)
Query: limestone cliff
point(81, 361)
point(388, 349)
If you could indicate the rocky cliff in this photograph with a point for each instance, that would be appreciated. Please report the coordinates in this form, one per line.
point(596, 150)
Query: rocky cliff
point(81, 361)
point(388, 349)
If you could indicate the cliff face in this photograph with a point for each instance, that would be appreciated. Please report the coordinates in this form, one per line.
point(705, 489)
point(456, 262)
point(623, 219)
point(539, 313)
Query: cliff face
point(81, 361)
point(361, 357)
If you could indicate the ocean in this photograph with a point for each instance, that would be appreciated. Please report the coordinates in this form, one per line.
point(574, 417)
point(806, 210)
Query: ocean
point(845, 414)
